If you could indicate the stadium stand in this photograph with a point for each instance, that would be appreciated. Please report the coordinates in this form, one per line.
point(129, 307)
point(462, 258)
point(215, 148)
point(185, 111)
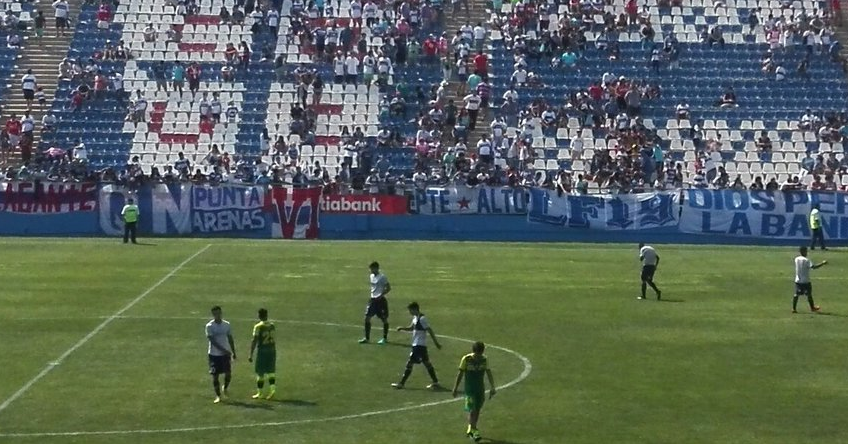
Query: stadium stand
point(627, 95)
point(689, 55)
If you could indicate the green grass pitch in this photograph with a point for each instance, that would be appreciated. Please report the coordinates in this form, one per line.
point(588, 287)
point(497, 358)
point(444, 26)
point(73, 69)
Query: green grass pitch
point(723, 361)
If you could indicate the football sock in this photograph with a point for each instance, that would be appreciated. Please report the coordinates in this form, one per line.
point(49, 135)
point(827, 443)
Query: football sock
point(795, 303)
point(367, 330)
point(406, 373)
point(260, 382)
point(385, 330)
point(217, 385)
point(644, 288)
point(432, 371)
point(654, 286)
point(227, 379)
point(812, 304)
point(272, 380)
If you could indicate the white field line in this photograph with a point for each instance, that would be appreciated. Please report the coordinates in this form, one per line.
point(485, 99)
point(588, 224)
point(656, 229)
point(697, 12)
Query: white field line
point(528, 368)
point(46, 370)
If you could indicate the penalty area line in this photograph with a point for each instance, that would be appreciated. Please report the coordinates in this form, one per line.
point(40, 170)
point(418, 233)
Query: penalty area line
point(528, 368)
point(53, 364)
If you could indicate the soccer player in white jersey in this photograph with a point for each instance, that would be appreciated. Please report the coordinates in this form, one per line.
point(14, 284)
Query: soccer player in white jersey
point(419, 327)
point(222, 350)
point(803, 286)
point(378, 305)
point(650, 260)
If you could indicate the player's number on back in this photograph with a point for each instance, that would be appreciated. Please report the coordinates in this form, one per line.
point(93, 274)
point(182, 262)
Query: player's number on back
point(267, 338)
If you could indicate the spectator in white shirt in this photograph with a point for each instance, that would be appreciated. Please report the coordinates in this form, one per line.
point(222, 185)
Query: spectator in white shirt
point(48, 122)
point(13, 41)
point(807, 120)
point(779, 73)
point(511, 93)
point(60, 9)
point(472, 106)
point(420, 179)
point(273, 21)
point(479, 36)
point(682, 111)
point(356, 14)
point(80, 153)
point(149, 33)
point(519, 76)
point(339, 69)
point(576, 146)
point(351, 69)
point(29, 84)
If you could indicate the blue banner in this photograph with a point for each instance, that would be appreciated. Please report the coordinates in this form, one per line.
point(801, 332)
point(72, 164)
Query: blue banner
point(229, 208)
point(178, 209)
point(763, 214)
point(604, 212)
point(452, 200)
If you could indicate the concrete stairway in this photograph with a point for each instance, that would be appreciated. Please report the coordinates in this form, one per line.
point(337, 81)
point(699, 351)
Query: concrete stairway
point(477, 13)
point(42, 56)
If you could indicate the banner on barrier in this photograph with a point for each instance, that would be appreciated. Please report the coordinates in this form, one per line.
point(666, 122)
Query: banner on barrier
point(469, 200)
point(295, 212)
point(228, 208)
point(763, 214)
point(363, 204)
point(604, 212)
point(163, 209)
point(47, 197)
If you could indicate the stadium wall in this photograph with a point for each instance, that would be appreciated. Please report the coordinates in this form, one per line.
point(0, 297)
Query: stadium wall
point(436, 213)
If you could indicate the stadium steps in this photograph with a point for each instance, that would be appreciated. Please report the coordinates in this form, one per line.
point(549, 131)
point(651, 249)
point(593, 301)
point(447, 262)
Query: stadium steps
point(43, 57)
point(477, 13)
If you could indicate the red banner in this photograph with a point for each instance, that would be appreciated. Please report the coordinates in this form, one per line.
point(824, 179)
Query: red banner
point(47, 197)
point(295, 212)
point(363, 204)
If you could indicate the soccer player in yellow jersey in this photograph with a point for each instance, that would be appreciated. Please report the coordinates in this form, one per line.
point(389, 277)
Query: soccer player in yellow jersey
point(473, 366)
point(266, 355)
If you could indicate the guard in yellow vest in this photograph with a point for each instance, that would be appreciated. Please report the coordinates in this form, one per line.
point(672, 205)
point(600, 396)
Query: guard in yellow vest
point(816, 228)
point(130, 216)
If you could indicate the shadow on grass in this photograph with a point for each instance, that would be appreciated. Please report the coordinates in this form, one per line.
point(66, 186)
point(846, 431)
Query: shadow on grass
point(393, 344)
point(672, 300)
point(836, 315)
point(496, 441)
point(439, 389)
point(146, 244)
point(294, 402)
point(250, 405)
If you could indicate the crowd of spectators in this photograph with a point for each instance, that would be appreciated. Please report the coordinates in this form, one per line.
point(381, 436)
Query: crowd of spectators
point(632, 161)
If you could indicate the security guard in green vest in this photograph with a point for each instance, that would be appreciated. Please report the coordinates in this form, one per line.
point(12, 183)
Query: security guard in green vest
point(816, 228)
point(130, 216)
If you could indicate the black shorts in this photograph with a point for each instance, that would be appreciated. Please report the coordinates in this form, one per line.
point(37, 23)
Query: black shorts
point(29, 94)
point(377, 307)
point(805, 289)
point(219, 365)
point(419, 354)
point(61, 22)
point(648, 272)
